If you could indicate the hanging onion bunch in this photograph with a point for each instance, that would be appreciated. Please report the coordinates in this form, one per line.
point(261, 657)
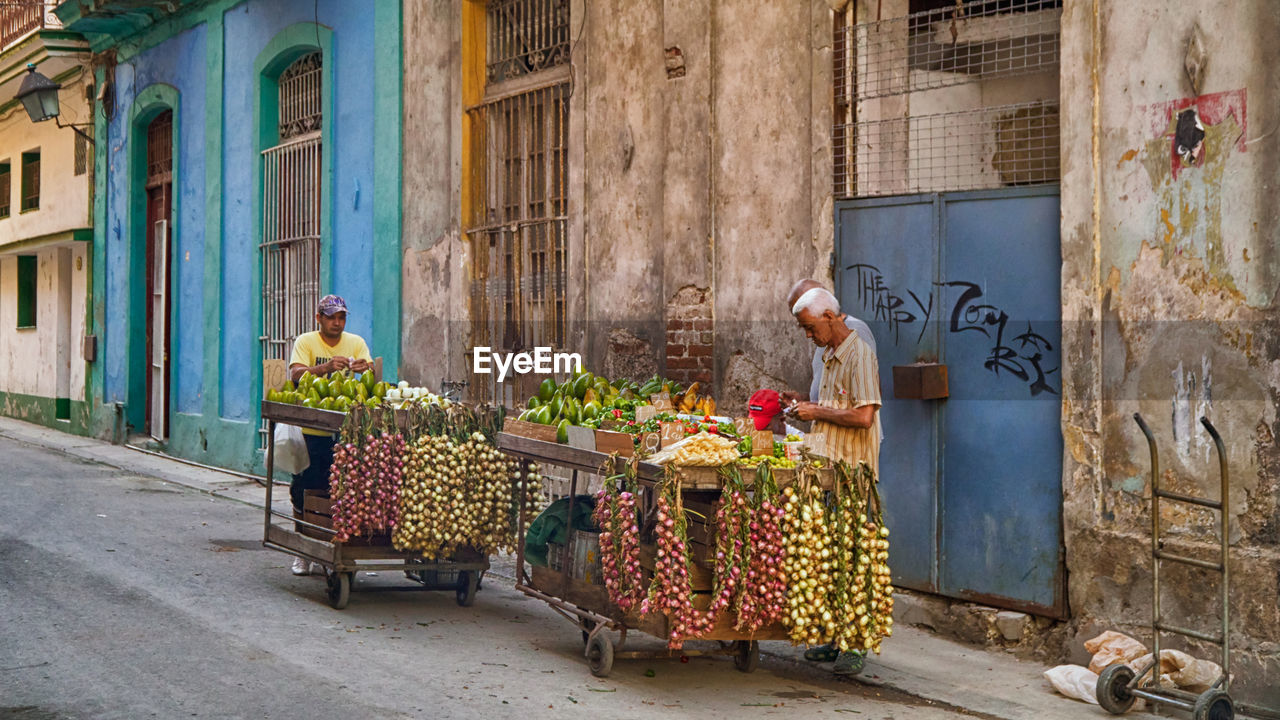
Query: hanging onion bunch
point(733, 548)
point(616, 516)
point(763, 598)
point(872, 586)
point(671, 593)
point(458, 489)
point(364, 480)
point(809, 563)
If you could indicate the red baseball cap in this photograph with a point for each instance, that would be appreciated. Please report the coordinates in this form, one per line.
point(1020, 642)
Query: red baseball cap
point(763, 406)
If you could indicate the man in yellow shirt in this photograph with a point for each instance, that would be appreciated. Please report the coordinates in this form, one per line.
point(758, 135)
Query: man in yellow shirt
point(321, 352)
point(847, 411)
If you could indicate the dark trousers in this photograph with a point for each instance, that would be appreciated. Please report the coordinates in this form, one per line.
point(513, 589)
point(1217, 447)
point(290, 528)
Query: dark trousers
point(316, 476)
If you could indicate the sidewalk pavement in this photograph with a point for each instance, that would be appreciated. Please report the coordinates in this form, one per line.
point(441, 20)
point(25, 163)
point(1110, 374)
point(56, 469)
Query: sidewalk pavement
point(983, 683)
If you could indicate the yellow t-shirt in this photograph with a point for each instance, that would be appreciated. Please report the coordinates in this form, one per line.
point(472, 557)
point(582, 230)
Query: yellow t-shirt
point(310, 349)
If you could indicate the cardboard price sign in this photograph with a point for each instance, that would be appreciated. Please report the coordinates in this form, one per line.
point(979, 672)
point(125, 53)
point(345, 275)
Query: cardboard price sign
point(662, 402)
point(672, 432)
point(274, 373)
point(644, 413)
point(744, 425)
point(651, 441)
point(761, 442)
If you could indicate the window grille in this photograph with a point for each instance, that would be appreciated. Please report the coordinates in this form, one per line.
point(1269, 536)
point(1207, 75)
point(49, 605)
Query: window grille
point(903, 120)
point(291, 219)
point(28, 266)
point(519, 252)
point(300, 99)
point(5, 189)
point(159, 150)
point(525, 36)
point(30, 181)
point(81, 154)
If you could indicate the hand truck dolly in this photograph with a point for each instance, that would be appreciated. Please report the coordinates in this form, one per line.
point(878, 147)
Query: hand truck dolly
point(1118, 685)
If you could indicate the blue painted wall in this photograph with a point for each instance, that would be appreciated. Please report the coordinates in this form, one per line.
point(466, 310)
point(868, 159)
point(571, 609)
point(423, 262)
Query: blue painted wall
point(180, 63)
point(182, 54)
point(249, 27)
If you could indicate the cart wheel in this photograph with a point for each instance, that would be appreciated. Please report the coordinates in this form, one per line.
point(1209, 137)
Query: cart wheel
point(746, 655)
point(600, 655)
point(1113, 689)
point(1214, 704)
point(468, 584)
point(339, 588)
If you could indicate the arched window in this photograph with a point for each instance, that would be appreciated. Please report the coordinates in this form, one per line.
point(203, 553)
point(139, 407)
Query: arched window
point(291, 220)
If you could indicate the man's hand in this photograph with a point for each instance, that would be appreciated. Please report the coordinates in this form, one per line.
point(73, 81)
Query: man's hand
point(339, 363)
point(806, 410)
point(359, 365)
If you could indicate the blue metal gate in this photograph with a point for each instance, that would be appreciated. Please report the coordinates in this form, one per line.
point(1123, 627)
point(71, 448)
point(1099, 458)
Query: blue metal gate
point(972, 483)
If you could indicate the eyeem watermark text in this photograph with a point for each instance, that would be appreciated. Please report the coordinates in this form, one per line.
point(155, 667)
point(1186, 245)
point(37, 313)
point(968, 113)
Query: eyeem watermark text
point(542, 361)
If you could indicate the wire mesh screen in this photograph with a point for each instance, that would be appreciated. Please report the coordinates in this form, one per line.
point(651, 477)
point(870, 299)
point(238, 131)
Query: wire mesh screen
point(904, 121)
point(518, 253)
point(525, 36)
point(958, 44)
point(992, 147)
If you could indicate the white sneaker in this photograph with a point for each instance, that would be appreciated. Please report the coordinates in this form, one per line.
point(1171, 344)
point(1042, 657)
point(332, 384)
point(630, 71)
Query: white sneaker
point(301, 567)
point(317, 569)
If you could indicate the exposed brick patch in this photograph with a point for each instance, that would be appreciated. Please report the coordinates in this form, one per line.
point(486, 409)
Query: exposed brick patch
point(690, 336)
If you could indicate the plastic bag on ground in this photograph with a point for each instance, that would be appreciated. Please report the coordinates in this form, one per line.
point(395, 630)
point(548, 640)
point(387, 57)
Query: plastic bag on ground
point(1073, 681)
point(1112, 647)
point(1182, 670)
point(290, 454)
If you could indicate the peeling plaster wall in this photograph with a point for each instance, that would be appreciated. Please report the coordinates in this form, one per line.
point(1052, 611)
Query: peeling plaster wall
point(1170, 309)
point(434, 319)
point(716, 177)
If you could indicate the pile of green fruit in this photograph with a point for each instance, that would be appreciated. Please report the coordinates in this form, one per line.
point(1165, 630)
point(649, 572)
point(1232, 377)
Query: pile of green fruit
point(340, 391)
point(586, 400)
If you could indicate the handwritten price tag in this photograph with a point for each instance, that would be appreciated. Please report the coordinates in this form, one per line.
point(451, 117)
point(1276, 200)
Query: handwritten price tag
point(651, 441)
point(672, 432)
point(761, 442)
point(744, 426)
point(644, 413)
point(662, 402)
point(274, 373)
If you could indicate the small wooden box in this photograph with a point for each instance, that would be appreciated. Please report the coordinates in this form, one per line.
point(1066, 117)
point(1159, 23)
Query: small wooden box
point(920, 381)
point(317, 509)
point(536, 431)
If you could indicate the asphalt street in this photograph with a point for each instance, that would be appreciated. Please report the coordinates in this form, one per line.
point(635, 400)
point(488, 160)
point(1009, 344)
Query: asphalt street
point(126, 596)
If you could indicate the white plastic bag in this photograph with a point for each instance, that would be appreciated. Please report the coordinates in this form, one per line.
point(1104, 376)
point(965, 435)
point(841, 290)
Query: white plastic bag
point(290, 449)
point(1078, 683)
point(1112, 647)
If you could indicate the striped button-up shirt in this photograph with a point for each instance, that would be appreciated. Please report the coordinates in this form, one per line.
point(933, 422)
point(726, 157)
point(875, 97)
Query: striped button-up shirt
point(850, 379)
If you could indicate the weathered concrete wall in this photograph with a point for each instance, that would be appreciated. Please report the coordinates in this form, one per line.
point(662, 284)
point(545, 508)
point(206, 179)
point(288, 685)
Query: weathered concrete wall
point(1170, 309)
point(436, 271)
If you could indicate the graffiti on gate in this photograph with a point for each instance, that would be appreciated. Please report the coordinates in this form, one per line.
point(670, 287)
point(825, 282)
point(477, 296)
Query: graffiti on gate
point(1021, 358)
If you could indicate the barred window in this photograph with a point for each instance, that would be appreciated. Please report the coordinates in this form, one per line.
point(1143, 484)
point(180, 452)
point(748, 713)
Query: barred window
point(160, 150)
point(6, 189)
point(518, 237)
point(81, 154)
point(30, 181)
point(291, 219)
point(951, 96)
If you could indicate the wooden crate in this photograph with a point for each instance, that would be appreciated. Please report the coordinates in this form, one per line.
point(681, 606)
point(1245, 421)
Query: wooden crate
point(317, 508)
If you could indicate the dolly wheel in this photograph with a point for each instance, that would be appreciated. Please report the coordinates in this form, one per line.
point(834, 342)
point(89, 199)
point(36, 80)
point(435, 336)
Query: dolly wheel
point(746, 656)
point(1214, 704)
point(600, 655)
point(339, 589)
point(1113, 689)
point(468, 583)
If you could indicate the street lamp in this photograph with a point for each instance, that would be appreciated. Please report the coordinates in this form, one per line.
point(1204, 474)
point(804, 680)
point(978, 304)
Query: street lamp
point(39, 95)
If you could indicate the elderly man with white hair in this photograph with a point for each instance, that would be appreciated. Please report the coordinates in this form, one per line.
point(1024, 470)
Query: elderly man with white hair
point(846, 412)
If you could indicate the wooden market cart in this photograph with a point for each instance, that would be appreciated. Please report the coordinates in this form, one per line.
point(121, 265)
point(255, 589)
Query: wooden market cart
point(311, 537)
point(586, 604)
